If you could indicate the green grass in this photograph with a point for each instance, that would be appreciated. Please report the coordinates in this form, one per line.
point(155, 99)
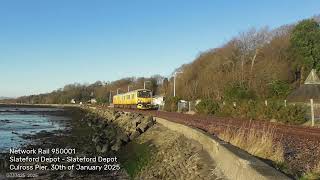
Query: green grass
point(283, 167)
point(135, 157)
point(310, 176)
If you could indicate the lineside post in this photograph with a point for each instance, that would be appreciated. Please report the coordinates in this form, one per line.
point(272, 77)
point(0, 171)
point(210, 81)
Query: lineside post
point(312, 112)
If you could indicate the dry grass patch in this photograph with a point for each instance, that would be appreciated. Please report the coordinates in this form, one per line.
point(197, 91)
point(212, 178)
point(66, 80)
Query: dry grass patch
point(313, 174)
point(258, 142)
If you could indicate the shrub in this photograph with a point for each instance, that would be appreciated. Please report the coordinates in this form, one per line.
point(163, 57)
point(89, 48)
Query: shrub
point(226, 110)
point(238, 92)
point(207, 106)
point(258, 110)
point(171, 104)
point(273, 110)
point(247, 109)
point(278, 89)
point(243, 109)
point(276, 110)
point(293, 114)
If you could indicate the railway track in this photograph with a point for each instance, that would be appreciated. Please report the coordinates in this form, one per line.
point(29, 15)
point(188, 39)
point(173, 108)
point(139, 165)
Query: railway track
point(301, 145)
point(198, 121)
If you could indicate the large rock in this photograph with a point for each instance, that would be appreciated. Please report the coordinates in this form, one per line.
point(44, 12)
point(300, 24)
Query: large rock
point(134, 135)
point(150, 124)
point(116, 115)
point(110, 133)
point(142, 127)
point(113, 112)
point(104, 148)
point(95, 139)
point(124, 138)
point(147, 119)
point(136, 122)
point(98, 148)
point(116, 146)
point(145, 124)
point(127, 129)
point(150, 119)
point(115, 128)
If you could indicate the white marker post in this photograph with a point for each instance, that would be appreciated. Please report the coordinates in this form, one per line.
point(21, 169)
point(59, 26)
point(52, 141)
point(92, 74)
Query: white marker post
point(312, 112)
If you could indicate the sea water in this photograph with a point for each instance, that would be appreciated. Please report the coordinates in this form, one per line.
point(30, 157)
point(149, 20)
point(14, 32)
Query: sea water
point(16, 122)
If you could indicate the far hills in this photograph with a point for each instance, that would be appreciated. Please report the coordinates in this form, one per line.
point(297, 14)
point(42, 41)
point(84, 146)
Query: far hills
point(2, 97)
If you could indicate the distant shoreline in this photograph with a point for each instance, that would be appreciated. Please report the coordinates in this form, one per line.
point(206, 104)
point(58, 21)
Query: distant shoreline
point(38, 105)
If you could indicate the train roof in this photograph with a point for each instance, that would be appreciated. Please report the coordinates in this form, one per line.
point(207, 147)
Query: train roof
point(133, 91)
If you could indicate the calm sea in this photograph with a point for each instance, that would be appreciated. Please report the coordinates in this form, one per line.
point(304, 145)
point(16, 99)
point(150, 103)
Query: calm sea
point(15, 122)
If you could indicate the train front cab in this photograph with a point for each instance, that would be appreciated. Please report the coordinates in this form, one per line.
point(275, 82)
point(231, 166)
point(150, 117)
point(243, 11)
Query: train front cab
point(144, 98)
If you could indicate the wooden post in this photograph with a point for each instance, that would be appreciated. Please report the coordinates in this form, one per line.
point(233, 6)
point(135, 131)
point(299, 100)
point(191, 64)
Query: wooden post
point(285, 103)
point(312, 112)
point(189, 106)
point(266, 102)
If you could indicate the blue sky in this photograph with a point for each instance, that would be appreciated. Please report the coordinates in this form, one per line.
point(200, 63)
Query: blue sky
point(45, 44)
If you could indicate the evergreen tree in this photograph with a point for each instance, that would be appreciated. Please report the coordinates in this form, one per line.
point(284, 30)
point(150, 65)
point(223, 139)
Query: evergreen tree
point(305, 46)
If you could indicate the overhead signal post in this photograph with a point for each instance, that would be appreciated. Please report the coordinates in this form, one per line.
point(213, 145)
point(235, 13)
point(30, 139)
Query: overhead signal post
point(118, 90)
point(144, 84)
point(129, 87)
point(174, 82)
point(110, 96)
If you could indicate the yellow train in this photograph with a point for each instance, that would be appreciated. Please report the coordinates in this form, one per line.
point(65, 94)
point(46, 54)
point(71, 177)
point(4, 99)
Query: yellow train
point(140, 99)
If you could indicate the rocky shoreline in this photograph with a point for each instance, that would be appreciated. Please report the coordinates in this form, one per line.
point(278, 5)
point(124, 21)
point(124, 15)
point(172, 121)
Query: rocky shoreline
point(91, 132)
point(115, 129)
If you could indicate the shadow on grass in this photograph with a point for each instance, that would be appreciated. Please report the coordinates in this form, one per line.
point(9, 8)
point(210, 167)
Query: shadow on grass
point(135, 156)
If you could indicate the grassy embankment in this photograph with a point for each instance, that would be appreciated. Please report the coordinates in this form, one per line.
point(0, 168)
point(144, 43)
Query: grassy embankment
point(265, 144)
point(134, 157)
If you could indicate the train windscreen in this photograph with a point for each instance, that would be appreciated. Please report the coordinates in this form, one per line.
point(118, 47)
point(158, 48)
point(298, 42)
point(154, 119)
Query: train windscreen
point(144, 94)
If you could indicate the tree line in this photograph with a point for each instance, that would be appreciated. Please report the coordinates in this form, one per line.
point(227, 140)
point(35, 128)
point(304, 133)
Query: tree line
point(257, 64)
point(101, 91)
